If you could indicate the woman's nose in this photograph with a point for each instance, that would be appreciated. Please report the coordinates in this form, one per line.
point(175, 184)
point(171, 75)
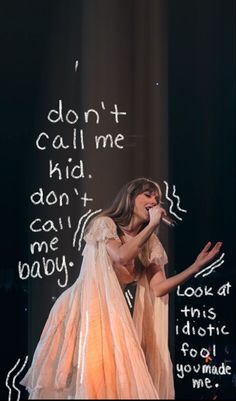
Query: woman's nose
point(154, 201)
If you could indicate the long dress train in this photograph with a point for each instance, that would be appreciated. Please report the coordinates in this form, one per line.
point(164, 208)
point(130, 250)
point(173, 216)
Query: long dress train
point(91, 347)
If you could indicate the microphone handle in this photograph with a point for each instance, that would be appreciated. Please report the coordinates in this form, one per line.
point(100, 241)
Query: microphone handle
point(168, 221)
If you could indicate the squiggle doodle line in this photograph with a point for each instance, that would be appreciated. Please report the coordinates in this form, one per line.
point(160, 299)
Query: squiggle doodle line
point(178, 200)
point(171, 202)
point(9, 388)
point(82, 230)
point(13, 381)
point(78, 227)
point(14, 378)
point(211, 267)
point(131, 296)
point(127, 297)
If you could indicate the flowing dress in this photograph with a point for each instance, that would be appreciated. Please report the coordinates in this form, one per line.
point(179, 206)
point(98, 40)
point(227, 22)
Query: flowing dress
point(91, 347)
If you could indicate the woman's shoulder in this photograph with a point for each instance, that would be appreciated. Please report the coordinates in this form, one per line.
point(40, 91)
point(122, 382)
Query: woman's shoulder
point(101, 228)
point(102, 222)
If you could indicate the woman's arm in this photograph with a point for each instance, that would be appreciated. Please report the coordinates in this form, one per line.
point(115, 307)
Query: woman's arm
point(125, 253)
point(162, 286)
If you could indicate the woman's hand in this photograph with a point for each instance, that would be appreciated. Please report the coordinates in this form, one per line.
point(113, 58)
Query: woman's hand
point(206, 255)
point(155, 215)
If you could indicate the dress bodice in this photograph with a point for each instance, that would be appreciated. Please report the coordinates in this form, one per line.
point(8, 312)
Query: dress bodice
point(132, 272)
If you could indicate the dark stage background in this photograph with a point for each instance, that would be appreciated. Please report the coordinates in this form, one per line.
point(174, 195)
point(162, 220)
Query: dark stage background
point(169, 65)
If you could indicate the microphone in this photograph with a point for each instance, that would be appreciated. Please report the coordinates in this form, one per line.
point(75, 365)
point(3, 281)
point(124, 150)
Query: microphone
point(168, 221)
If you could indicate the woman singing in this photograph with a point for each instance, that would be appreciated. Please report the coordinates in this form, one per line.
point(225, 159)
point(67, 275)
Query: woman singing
point(91, 347)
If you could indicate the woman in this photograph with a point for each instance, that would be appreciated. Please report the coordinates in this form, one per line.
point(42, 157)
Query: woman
point(91, 347)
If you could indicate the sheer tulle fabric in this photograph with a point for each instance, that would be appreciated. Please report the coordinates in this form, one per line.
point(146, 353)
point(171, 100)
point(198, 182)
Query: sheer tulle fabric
point(90, 347)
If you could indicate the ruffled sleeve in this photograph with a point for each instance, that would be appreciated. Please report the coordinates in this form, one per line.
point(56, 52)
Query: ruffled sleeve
point(102, 229)
point(157, 253)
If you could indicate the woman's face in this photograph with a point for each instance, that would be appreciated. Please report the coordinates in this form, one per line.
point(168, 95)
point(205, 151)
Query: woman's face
point(143, 202)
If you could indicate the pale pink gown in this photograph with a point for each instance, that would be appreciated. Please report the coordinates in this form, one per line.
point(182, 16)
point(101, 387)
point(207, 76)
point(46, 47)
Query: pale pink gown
point(91, 347)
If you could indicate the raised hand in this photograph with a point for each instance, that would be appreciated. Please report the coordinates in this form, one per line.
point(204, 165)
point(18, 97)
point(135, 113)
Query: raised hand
point(155, 214)
point(207, 255)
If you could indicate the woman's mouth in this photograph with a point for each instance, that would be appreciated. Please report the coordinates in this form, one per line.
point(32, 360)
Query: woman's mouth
point(147, 210)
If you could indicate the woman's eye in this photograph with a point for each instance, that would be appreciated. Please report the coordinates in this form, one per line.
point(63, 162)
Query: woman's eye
point(148, 195)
